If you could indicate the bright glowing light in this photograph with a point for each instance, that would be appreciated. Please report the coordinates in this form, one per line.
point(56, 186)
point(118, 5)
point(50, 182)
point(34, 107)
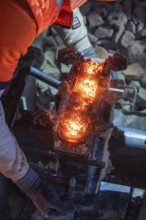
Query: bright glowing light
point(93, 68)
point(73, 127)
point(88, 88)
point(74, 121)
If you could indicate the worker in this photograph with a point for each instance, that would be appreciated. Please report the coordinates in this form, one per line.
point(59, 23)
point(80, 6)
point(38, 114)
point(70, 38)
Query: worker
point(20, 23)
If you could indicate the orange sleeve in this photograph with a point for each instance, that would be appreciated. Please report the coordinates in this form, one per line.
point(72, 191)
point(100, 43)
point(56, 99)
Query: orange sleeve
point(17, 31)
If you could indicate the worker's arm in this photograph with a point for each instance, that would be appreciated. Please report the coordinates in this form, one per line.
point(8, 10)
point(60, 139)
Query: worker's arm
point(16, 34)
point(13, 163)
point(17, 31)
point(76, 35)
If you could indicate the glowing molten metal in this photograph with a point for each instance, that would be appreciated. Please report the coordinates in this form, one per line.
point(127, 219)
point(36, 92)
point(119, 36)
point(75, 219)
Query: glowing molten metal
point(75, 119)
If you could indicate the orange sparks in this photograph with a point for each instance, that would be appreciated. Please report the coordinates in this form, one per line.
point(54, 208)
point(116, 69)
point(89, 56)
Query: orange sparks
point(87, 88)
point(74, 127)
point(75, 120)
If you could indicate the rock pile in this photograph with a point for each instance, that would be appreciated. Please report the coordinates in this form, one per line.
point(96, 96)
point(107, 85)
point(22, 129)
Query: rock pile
point(121, 27)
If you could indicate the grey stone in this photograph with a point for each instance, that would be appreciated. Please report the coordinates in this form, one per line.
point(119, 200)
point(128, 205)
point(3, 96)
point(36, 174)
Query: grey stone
point(141, 98)
point(143, 59)
point(117, 19)
point(134, 71)
point(135, 85)
point(140, 27)
point(107, 43)
point(121, 103)
point(103, 32)
point(119, 33)
point(143, 33)
point(134, 19)
point(102, 11)
point(127, 108)
point(136, 52)
point(44, 99)
point(94, 19)
point(131, 27)
point(143, 81)
point(93, 39)
point(85, 8)
point(127, 7)
point(139, 46)
point(49, 41)
point(127, 39)
point(64, 68)
point(118, 7)
point(39, 40)
point(140, 14)
point(59, 40)
point(98, 4)
point(49, 66)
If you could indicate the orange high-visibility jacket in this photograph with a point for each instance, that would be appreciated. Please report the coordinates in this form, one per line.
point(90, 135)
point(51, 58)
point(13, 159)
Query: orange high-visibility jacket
point(22, 21)
point(46, 12)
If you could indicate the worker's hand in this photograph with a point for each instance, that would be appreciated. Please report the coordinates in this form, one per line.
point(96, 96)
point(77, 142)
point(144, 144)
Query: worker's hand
point(43, 196)
point(89, 53)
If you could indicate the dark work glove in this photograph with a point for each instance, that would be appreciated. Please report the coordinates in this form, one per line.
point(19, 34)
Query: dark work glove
point(43, 196)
